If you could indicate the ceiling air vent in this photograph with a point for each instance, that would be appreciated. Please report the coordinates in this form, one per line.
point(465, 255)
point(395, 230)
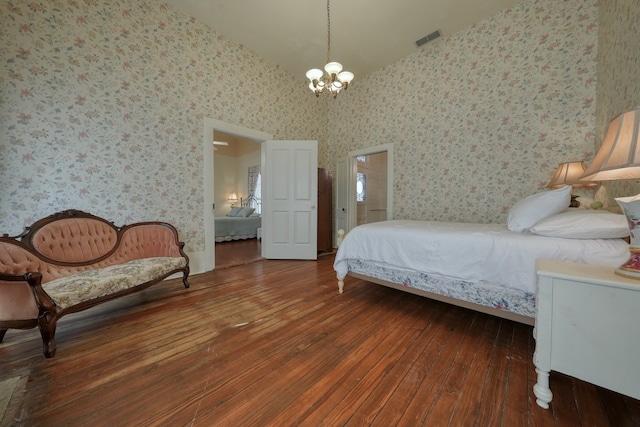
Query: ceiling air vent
point(428, 38)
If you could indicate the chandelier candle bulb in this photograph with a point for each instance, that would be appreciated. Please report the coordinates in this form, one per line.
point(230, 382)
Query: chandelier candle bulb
point(314, 74)
point(333, 68)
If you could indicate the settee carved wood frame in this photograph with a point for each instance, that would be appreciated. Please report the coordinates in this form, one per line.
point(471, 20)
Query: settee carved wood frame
point(48, 312)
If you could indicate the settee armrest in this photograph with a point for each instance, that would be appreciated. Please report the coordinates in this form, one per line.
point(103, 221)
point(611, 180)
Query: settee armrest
point(22, 298)
point(24, 304)
point(18, 306)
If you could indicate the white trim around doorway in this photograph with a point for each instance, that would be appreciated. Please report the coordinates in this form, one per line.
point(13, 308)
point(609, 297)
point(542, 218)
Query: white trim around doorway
point(205, 261)
point(388, 148)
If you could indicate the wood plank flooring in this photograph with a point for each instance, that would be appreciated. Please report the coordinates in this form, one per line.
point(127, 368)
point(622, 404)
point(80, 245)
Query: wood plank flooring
point(237, 252)
point(272, 343)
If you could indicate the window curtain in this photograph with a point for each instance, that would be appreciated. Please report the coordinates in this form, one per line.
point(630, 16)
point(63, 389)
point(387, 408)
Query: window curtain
point(255, 188)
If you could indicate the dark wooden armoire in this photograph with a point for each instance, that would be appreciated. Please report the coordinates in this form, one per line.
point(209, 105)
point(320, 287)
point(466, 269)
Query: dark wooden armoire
point(325, 211)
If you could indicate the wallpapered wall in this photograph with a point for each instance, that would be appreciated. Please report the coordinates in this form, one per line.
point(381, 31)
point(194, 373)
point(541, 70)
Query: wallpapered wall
point(618, 87)
point(102, 107)
point(481, 118)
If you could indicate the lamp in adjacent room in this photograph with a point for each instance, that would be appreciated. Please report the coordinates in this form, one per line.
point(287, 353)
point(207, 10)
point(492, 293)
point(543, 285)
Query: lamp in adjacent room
point(233, 198)
point(619, 158)
point(569, 173)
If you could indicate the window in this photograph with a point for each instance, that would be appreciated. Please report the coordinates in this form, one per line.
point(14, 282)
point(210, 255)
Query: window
point(361, 187)
point(255, 188)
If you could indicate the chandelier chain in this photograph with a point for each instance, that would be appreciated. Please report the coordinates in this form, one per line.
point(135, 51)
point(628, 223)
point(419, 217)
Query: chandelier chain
point(328, 33)
point(336, 79)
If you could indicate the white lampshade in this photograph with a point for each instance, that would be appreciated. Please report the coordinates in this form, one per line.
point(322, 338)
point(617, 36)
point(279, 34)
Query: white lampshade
point(345, 77)
point(314, 74)
point(569, 173)
point(619, 158)
point(619, 154)
point(333, 68)
point(233, 197)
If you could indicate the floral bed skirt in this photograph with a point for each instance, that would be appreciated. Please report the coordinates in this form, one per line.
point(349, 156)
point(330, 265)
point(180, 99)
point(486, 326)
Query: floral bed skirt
point(507, 299)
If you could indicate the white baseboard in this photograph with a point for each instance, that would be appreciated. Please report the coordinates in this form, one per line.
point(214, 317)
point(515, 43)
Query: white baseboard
point(197, 264)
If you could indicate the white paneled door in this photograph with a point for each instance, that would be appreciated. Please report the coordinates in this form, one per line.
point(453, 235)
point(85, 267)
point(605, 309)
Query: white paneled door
point(290, 196)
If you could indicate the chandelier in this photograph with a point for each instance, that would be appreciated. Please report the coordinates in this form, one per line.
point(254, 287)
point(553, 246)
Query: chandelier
point(335, 79)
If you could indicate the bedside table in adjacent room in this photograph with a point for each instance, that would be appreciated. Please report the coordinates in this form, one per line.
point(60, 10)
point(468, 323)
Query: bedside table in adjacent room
point(587, 326)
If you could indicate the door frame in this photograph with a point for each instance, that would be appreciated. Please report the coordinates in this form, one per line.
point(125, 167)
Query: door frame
point(353, 165)
point(209, 126)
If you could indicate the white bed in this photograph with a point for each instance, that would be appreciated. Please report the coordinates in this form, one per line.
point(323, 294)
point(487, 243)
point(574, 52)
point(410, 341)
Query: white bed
point(485, 267)
point(240, 223)
point(237, 228)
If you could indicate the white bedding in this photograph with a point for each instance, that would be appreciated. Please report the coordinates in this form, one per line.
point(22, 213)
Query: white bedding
point(237, 228)
point(472, 252)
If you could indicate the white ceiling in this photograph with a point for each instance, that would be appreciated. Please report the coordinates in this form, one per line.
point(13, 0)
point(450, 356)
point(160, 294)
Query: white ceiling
point(366, 35)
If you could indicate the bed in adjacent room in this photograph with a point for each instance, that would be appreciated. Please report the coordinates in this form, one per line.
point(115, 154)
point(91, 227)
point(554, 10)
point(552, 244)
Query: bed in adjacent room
point(240, 223)
point(487, 267)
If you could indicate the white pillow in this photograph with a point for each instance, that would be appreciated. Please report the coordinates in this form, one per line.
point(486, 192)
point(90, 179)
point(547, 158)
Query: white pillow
point(528, 211)
point(234, 211)
point(246, 212)
point(583, 224)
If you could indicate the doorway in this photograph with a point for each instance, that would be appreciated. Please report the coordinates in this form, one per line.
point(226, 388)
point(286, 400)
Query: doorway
point(206, 261)
point(371, 188)
point(367, 197)
point(236, 162)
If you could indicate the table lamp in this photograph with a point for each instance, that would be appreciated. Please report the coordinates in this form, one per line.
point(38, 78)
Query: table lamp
point(619, 158)
point(233, 198)
point(569, 173)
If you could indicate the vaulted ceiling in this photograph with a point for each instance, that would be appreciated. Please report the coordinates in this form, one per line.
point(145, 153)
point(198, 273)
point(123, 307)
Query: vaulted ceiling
point(366, 35)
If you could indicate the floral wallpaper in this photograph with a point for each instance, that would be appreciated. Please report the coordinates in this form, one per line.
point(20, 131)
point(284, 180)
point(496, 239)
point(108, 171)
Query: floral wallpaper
point(618, 87)
point(102, 106)
point(480, 118)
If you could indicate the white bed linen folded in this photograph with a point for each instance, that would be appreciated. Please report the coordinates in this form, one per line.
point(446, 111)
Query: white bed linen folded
point(472, 252)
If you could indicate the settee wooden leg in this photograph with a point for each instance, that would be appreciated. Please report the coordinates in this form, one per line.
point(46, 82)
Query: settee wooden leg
point(2, 332)
point(48, 332)
point(185, 274)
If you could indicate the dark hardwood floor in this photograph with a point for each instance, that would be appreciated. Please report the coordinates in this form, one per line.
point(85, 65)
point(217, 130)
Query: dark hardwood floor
point(237, 252)
point(272, 343)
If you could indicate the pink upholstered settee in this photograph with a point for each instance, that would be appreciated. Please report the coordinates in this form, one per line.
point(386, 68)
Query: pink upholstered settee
point(72, 260)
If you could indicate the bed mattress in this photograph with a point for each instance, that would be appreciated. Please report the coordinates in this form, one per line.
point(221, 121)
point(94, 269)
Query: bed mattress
point(237, 228)
point(487, 254)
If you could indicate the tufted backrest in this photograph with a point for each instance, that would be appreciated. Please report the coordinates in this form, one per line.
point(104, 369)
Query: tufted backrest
point(75, 240)
point(15, 258)
point(146, 240)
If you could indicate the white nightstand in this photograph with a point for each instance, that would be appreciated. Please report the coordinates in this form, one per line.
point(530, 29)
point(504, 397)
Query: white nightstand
point(587, 326)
